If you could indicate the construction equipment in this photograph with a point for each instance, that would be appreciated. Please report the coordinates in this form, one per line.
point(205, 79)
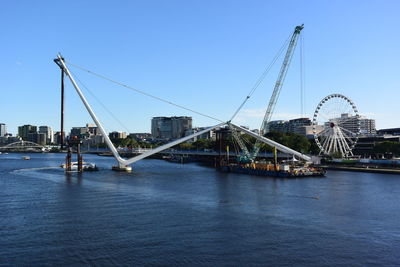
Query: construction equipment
point(277, 89)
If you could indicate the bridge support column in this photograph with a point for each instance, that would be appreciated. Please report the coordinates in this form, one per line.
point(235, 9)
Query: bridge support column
point(122, 168)
point(79, 157)
point(68, 162)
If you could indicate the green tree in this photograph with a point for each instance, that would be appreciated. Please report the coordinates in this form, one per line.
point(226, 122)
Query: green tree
point(185, 146)
point(294, 141)
point(201, 144)
point(387, 147)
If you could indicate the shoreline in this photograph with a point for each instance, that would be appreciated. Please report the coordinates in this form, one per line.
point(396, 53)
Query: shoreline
point(361, 169)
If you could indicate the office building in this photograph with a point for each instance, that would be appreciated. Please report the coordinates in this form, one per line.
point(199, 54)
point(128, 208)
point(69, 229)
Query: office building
point(301, 126)
point(94, 140)
point(38, 138)
point(80, 132)
point(353, 124)
point(280, 126)
point(48, 132)
point(170, 127)
point(297, 126)
point(91, 128)
point(57, 138)
point(207, 135)
point(3, 129)
point(24, 130)
point(161, 128)
point(391, 131)
point(8, 139)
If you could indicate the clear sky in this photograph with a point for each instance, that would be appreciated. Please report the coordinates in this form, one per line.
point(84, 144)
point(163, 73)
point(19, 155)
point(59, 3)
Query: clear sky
point(205, 55)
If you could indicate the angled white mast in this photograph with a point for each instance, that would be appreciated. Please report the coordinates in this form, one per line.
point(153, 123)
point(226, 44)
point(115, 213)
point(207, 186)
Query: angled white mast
point(90, 110)
point(123, 163)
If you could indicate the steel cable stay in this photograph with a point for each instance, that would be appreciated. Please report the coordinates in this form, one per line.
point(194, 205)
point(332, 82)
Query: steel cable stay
point(142, 92)
point(235, 146)
point(302, 76)
point(238, 139)
point(262, 77)
point(101, 103)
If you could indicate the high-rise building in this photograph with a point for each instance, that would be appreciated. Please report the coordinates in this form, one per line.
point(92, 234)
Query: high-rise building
point(180, 125)
point(57, 138)
point(296, 126)
point(80, 132)
point(278, 126)
point(161, 128)
point(352, 124)
point(390, 131)
point(48, 132)
point(91, 128)
point(39, 138)
point(8, 139)
point(3, 129)
point(207, 135)
point(367, 126)
point(24, 130)
point(170, 127)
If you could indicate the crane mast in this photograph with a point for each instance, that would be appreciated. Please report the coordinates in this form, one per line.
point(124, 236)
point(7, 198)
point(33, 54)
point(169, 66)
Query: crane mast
point(278, 85)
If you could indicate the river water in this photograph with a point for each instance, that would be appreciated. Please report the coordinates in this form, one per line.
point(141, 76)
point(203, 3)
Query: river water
point(186, 214)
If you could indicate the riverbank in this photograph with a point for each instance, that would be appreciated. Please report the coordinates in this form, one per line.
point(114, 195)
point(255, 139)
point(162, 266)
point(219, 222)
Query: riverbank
point(363, 169)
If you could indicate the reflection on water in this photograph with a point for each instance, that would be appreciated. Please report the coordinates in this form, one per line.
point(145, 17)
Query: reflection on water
point(174, 214)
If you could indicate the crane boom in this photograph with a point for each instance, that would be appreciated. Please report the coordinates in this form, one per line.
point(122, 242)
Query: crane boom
point(278, 85)
point(242, 146)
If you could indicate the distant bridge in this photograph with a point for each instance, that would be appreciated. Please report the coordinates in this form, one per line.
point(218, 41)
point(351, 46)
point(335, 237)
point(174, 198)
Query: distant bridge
point(23, 146)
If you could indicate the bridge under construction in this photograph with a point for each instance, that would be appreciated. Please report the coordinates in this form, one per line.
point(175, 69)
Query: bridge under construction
point(124, 164)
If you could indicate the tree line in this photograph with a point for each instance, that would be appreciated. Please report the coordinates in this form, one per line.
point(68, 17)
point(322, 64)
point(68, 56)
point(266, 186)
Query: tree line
point(294, 141)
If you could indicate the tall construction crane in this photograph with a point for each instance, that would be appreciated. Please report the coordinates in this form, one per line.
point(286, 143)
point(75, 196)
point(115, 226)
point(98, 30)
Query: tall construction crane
point(277, 89)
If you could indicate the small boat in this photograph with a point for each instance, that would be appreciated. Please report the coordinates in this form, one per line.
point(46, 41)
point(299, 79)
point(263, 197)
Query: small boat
point(85, 165)
point(26, 158)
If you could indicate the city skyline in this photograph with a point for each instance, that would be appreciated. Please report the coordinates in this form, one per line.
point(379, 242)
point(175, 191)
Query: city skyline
point(205, 56)
point(370, 128)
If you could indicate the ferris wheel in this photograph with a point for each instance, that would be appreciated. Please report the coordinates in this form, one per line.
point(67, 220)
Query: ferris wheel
point(336, 125)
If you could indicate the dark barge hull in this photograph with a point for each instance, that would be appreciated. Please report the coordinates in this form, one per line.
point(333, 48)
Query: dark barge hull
point(280, 174)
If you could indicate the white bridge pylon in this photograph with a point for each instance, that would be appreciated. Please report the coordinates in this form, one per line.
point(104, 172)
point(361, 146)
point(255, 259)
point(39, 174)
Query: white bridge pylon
point(124, 163)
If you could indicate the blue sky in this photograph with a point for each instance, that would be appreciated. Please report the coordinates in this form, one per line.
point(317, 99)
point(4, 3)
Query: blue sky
point(205, 55)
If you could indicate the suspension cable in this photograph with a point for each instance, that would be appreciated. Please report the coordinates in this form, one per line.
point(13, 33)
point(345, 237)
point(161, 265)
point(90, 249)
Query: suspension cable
point(142, 92)
point(98, 101)
point(262, 77)
point(235, 146)
point(302, 78)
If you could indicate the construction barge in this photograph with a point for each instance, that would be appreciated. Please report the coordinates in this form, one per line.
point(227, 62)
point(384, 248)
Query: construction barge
point(271, 170)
